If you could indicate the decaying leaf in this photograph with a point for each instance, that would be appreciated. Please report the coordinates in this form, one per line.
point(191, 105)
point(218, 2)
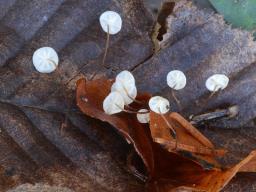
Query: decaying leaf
point(33, 139)
point(212, 181)
point(89, 155)
point(167, 169)
point(189, 139)
point(200, 44)
point(90, 96)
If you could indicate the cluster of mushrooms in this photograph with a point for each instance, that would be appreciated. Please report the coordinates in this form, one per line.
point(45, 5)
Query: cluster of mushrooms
point(124, 91)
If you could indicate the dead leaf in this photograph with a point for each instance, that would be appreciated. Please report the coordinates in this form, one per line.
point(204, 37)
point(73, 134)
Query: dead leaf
point(90, 96)
point(189, 139)
point(218, 180)
point(199, 43)
point(201, 180)
point(167, 170)
point(31, 139)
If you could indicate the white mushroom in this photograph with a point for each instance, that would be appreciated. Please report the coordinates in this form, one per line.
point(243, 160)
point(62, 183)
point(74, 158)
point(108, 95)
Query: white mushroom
point(111, 22)
point(126, 78)
point(143, 116)
point(125, 85)
point(45, 60)
point(176, 79)
point(159, 105)
point(128, 91)
point(113, 103)
point(217, 82)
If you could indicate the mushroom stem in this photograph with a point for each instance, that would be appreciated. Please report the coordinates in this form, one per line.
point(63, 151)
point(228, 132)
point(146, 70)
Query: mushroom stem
point(128, 95)
point(169, 126)
point(213, 93)
point(173, 132)
point(216, 89)
point(53, 62)
point(106, 48)
point(105, 55)
point(132, 112)
point(135, 100)
point(129, 107)
point(176, 99)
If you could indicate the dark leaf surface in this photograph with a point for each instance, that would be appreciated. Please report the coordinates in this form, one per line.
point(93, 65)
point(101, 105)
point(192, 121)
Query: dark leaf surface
point(34, 147)
point(87, 155)
point(199, 43)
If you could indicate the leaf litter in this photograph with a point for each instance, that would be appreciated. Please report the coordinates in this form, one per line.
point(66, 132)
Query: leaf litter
point(161, 178)
point(190, 164)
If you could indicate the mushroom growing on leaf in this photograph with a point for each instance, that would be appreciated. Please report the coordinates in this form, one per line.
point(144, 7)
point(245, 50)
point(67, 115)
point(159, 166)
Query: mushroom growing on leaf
point(125, 85)
point(128, 92)
point(159, 105)
point(126, 78)
point(111, 22)
point(45, 60)
point(113, 103)
point(176, 79)
point(217, 82)
point(143, 116)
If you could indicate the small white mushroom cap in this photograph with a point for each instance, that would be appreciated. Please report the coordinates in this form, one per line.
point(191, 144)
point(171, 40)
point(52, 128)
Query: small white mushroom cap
point(128, 91)
point(111, 21)
point(126, 77)
point(113, 103)
point(143, 118)
point(216, 82)
point(176, 79)
point(159, 105)
point(45, 60)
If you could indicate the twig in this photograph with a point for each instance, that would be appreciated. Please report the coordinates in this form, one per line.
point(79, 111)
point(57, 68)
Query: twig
point(229, 112)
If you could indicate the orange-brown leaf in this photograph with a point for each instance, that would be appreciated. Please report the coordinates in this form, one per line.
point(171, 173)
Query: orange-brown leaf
point(168, 170)
point(188, 137)
point(90, 96)
point(208, 181)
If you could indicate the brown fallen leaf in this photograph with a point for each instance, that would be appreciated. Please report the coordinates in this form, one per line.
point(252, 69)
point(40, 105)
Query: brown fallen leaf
point(31, 138)
point(219, 179)
point(213, 181)
point(90, 96)
point(168, 170)
point(188, 137)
